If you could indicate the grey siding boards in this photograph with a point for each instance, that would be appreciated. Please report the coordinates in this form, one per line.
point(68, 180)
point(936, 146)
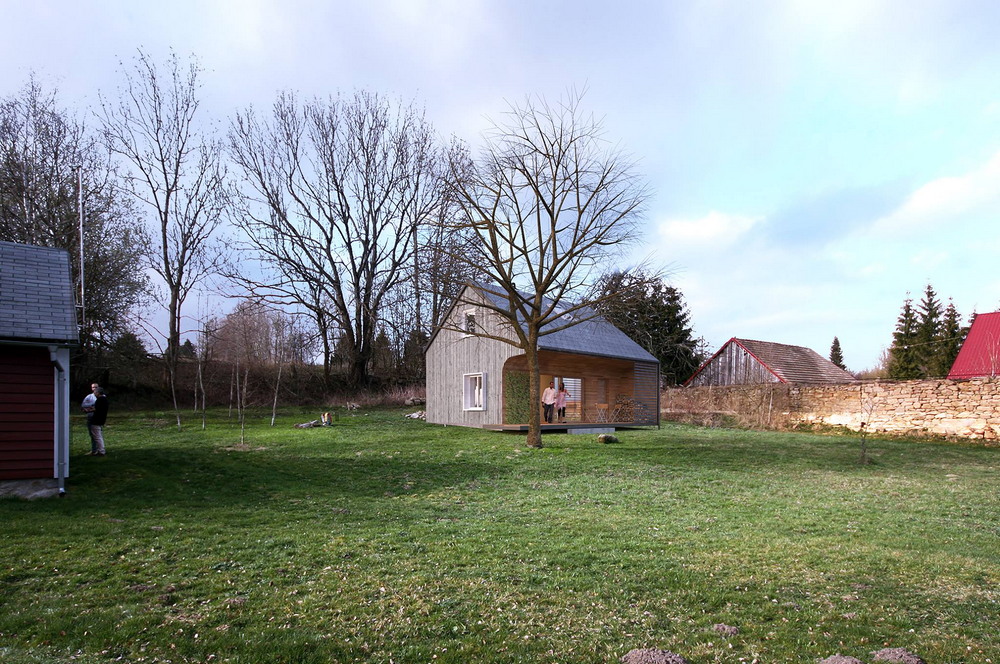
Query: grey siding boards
point(452, 355)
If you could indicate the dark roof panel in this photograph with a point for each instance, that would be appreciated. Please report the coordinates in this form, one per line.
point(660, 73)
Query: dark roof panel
point(595, 336)
point(36, 295)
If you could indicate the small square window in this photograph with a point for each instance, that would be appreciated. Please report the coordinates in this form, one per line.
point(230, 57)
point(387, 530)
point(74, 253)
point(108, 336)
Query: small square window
point(469, 325)
point(474, 391)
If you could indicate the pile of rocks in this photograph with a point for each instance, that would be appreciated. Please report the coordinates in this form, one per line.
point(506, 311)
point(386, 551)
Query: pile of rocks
point(888, 655)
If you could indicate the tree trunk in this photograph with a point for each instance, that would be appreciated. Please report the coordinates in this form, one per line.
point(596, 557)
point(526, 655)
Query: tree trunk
point(534, 393)
point(324, 332)
point(274, 405)
point(357, 375)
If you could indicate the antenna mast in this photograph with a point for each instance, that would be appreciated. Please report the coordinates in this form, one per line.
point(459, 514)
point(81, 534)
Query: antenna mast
point(79, 191)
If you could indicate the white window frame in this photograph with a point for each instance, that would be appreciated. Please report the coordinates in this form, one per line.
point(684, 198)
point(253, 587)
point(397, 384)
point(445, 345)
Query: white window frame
point(474, 391)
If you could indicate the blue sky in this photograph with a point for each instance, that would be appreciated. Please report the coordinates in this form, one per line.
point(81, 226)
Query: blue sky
point(811, 162)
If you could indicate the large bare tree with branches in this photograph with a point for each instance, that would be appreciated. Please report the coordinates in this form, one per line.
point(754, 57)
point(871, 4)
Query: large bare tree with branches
point(176, 169)
point(335, 191)
point(52, 168)
point(550, 202)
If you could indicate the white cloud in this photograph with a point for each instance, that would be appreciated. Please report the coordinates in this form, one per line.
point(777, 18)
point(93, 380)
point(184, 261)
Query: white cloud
point(930, 259)
point(715, 228)
point(945, 200)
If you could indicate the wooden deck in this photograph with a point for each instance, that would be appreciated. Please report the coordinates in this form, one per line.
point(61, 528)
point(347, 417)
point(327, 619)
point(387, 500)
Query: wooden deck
point(569, 426)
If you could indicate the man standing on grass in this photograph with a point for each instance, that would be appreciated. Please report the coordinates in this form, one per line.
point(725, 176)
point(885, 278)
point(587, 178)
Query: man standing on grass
point(97, 421)
point(88, 408)
point(549, 401)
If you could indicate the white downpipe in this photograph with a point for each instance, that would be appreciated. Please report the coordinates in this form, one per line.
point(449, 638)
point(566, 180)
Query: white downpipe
point(62, 419)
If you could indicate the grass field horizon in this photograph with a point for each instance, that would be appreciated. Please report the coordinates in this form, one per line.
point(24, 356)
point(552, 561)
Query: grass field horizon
point(383, 539)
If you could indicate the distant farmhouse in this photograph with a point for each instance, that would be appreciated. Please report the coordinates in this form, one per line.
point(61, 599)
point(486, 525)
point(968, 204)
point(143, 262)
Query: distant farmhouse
point(748, 362)
point(37, 328)
point(475, 381)
point(980, 354)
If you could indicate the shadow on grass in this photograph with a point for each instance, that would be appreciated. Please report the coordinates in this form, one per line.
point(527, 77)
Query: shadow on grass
point(736, 450)
point(162, 477)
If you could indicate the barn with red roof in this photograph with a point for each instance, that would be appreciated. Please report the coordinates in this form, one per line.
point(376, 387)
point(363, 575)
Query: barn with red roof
point(980, 354)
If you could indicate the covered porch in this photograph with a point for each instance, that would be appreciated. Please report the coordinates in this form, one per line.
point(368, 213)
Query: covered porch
point(604, 392)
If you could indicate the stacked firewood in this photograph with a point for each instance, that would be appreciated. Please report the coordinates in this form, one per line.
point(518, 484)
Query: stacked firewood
point(628, 409)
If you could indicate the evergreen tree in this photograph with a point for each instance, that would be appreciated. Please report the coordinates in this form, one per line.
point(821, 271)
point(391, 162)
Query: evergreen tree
point(951, 336)
point(928, 334)
point(903, 359)
point(655, 316)
point(836, 354)
point(187, 350)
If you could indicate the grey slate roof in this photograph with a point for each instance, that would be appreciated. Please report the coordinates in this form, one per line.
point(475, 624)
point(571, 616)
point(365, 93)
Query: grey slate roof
point(36, 295)
point(595, 336)
point(795, 364)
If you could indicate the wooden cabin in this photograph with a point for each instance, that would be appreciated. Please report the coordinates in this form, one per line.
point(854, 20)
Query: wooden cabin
point(749, 362)
point(476, 381)
point(37, 328)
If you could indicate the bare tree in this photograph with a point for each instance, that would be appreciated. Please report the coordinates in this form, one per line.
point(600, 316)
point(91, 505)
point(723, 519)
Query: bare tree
point(52, 168)
point(444, 274)
point(869, 399)
point(549, 202)
point(208, 327)
point(335, 192)
point(176, 171)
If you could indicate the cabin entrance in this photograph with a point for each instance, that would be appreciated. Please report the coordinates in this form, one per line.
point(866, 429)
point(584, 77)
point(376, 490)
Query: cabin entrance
point(574, 397)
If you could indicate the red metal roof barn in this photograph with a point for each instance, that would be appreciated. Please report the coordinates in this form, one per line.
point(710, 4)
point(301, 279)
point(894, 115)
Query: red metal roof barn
point(980, 354)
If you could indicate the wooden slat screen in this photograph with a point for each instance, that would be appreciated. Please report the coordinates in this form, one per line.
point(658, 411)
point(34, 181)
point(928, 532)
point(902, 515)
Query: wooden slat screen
point(647, 393)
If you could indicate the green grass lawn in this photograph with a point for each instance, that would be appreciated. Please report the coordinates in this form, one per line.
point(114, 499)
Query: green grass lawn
point(383, 539)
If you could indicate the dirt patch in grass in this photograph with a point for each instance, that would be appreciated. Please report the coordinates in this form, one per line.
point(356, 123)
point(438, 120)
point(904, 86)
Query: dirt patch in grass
point(652, 656)
point(896, 656)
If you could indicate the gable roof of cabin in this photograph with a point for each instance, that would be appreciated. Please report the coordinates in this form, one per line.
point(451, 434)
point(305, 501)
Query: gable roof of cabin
point(596, 336)
point(790, 364)
point(36, 295)
point(980, 353)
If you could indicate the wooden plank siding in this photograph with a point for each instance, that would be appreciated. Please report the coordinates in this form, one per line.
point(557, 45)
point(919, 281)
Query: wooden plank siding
point(454, 354)
point(27, 400)
point(733, 365)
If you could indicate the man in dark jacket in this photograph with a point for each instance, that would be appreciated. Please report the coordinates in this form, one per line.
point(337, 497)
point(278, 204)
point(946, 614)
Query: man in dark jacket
point(98, 420)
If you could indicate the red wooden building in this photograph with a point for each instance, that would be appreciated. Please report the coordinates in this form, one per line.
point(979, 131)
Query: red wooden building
point(37, 328)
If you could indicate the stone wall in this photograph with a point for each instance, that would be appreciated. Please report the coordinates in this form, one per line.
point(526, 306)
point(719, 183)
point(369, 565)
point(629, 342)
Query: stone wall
point(958, 408)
